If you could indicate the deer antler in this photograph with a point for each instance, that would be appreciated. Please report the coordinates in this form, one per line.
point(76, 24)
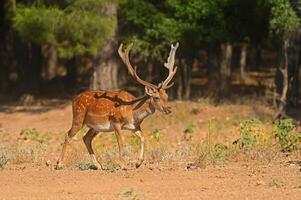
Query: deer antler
point(170, 66)
point(124, 54)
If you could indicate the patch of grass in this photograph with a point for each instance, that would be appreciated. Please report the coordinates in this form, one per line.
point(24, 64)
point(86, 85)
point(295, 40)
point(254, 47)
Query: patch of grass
point(29, 134)
point(46, 137)
point(135, 142)
point(85, 165)
point(156, 134)
point(5, 156)
point(4, 159)
point(26, 155)
point(131, 193)
point(128, 175)
point(32, 134)
point(112, 167)
point(275, 182)
point(188, 132)
point(18, 154)
point(220, 152)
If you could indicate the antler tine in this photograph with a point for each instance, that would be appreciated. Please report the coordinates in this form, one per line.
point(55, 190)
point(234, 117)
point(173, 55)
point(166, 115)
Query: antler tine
point(125, 58)
point(170, 66)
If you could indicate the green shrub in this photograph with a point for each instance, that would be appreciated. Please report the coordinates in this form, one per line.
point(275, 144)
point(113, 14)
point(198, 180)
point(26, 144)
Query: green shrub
point(252, 134)
point(247, 133)
point(288, 138)
point(219, 152)
point(156, 134)
point(189, 130)
point(29, 134)
point(84, 165)
point(32, 134)
point(112, 167)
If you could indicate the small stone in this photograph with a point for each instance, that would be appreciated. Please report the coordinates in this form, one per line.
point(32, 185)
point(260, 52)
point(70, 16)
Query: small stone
point(48, 163)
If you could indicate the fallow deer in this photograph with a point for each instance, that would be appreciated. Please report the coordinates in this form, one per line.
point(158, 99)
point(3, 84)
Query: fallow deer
point(104, 111)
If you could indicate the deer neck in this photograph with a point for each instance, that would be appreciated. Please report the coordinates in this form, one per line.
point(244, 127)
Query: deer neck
point(143, 109)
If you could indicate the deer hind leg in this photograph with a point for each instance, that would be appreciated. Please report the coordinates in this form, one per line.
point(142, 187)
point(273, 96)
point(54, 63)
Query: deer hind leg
point(76, 126)
point(120, 141)
point(139, 134)
point(90, 135)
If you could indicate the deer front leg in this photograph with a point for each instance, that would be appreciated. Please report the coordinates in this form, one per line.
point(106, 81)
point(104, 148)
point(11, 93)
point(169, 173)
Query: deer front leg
point(120, 141)
point(139, 134)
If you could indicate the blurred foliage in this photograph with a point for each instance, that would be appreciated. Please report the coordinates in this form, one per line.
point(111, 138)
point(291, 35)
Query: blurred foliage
point(32, 134)
point(285, 132)
point(79, 28)
point(153, 25)
point(284, 19)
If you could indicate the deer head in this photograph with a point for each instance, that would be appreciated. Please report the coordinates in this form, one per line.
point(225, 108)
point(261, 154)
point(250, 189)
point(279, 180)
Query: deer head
point(157, 94)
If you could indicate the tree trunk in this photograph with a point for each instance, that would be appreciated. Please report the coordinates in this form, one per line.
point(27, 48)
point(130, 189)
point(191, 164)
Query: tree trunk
point(187, 79)
point(255, 58)
point(281, 103)
point(294, 62)
point(7, 11)
point(179, 88)
point(50, 57)
point(149, 67)
point(225, 69)
point(105, 73)
point(242, 61)
point(213, 66)
point(29, 68)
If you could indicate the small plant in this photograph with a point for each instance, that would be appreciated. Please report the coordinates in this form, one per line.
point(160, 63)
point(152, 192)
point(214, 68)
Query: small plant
point(156, 134)
point(131, 193)
point(4, 160)
point(252, 134)
point(46, 137)
point(284, 132)
point(203, 151)
point(112, 167)
point(275, 181)
point(84, 165)
point(247, 134)
point(135, 142)
point(29, 134)
point(188, 132)
point(32, 134)
point(219, 152)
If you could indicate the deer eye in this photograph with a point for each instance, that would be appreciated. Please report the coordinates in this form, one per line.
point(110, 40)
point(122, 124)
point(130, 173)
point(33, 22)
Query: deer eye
point(157, 98)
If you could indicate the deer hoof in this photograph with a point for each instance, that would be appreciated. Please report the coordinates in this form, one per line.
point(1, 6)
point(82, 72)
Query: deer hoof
point(58, 167)
point(138, 163)
point(123, 167)
point(98, 167)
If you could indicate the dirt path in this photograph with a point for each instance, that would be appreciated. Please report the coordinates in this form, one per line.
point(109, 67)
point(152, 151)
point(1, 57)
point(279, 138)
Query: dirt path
point(231, 182)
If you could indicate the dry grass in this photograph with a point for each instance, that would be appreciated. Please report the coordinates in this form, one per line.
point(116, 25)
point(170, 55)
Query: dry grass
point(196, 134)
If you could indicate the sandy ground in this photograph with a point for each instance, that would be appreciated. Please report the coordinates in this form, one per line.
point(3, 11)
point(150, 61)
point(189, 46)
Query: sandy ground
point(231, 182)
point(235, 180)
